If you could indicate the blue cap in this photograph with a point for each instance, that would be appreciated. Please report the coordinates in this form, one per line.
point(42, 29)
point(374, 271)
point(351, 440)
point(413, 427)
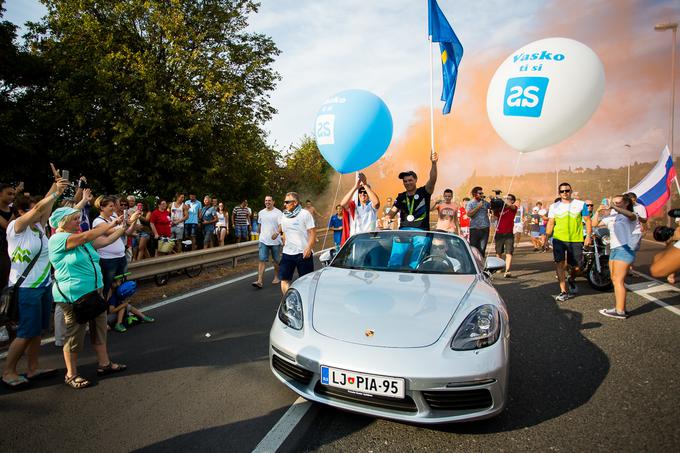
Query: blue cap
point(59, 214)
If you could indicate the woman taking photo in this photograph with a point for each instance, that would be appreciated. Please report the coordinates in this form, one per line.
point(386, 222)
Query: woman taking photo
point(76, 273)
point(30, 272)
point(112, 257)
point(620, 219)
point(222, 225)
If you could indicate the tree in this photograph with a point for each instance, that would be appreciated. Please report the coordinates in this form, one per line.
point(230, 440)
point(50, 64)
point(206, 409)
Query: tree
point(154, 96)
point(19, 72)
point(305, 169)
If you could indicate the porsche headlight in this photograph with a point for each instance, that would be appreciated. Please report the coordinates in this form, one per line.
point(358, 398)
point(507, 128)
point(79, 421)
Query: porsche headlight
point(290, 310)
point(480, 329)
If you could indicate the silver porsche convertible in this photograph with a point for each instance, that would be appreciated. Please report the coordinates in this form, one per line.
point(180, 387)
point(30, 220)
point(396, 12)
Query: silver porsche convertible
point(399, 324)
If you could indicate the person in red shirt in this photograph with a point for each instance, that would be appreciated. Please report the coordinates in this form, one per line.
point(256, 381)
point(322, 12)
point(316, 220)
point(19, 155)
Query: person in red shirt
point(160, 222)
point(464, 220)
point(505, 238)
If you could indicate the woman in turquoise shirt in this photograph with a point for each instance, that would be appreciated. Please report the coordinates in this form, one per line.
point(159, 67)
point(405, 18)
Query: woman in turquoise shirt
point(76, 273)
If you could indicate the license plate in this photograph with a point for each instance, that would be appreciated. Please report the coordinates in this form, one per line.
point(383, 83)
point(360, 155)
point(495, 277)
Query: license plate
point(362, 383)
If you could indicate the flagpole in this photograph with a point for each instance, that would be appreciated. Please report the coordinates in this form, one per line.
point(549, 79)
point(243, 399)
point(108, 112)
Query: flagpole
point(431, 98)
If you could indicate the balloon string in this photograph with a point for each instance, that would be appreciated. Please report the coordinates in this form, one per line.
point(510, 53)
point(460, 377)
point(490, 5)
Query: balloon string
point(514, 174)
point(335, 199)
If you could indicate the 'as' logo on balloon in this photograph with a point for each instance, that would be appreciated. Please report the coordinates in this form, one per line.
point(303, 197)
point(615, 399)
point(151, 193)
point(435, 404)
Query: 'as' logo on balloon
point(524, 96)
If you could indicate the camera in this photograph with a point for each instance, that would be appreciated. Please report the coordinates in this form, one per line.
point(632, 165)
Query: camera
point(664, 233)
point(496, 201)
point(82, 184)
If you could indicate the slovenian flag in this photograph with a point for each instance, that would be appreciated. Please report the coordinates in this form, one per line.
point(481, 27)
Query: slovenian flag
point(655, 189)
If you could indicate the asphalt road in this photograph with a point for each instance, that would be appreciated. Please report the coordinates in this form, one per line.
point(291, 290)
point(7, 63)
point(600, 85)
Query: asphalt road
point(579, 382)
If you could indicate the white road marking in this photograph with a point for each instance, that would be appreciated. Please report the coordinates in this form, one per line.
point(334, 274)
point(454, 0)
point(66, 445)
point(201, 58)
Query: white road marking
point(653, 286)
point(172, 300)
point(278, 434)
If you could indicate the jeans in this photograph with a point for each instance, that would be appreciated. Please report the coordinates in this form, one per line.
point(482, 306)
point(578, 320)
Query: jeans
point(479, 237)
point(111, 267)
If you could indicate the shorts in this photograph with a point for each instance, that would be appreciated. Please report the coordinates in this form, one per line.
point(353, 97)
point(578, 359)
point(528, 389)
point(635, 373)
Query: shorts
point(289, 263)
point(535, 234)
point(505, 243)
point(573, 251)
point(190, 229)
point(623, 253)
point(177, 232)
point(518, 228)
point(241, 231)
point(208, 234)
point(35, 311)
point(265, 250)
point(75, 333)
point(144, 234)
point(541, 230)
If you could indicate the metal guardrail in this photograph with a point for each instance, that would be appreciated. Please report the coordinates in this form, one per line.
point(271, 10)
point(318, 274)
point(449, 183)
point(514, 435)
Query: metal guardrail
point(176, 262)
point(170, 263)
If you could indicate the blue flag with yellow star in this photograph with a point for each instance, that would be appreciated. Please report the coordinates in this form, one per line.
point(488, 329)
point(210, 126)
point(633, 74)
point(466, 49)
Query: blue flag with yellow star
point(450, 48)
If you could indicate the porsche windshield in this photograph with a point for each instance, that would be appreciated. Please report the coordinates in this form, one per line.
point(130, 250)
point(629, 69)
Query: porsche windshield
point(406, 251)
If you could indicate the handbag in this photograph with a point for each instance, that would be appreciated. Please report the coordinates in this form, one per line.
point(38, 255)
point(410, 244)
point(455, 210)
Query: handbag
point(90, 305)
point(9, 298)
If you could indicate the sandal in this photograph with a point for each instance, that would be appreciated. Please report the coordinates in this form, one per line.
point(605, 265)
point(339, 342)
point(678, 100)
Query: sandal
point(257, 285)
point(110, 368)
point(16, 384)
point(77, 382)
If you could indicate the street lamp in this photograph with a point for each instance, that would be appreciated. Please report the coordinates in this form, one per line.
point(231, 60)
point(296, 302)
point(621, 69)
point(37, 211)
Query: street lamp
point(674, 27)
point(628, 146)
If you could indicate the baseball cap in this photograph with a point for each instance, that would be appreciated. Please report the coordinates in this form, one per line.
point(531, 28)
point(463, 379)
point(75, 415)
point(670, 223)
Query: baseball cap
point(404, 174)
point(59, 214)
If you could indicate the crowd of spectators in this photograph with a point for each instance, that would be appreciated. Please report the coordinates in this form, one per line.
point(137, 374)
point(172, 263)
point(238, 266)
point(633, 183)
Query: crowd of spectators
point(56, 249)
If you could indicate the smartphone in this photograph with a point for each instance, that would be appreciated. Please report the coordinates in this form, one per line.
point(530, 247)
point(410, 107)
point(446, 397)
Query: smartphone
point(605, 202)
point(65, 175)
point(139, 207)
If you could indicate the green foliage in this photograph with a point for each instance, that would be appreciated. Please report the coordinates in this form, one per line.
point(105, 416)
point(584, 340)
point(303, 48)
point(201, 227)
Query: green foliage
point(151, 96)
point(306, 171)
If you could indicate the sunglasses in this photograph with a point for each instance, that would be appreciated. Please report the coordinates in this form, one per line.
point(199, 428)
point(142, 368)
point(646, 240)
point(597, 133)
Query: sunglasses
point(436, 246)
point(590, 205)
point(565, 191)
point(288, 201)
point(362, 192)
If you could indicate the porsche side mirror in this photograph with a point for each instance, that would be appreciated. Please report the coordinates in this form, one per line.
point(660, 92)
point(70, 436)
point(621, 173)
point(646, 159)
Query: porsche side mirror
point(327, 256)
point(493, 264)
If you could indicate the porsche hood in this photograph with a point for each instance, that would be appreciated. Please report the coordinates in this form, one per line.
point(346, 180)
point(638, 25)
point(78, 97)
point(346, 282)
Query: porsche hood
point(386, 309)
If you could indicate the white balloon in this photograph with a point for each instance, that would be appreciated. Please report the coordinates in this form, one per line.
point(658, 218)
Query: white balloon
point(544, 92)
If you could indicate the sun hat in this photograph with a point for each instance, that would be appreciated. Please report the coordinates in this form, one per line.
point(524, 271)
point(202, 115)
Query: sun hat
point(59, 214)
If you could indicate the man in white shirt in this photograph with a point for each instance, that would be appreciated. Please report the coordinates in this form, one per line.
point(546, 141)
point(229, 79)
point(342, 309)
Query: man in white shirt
point(362, 216)
point(297, 229)
point(269, 220)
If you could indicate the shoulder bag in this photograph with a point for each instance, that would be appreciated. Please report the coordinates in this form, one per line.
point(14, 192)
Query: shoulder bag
point(9, 298)
point(90, 305)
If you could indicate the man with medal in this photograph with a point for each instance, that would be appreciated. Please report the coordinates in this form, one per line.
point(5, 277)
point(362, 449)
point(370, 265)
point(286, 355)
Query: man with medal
point(413, 205)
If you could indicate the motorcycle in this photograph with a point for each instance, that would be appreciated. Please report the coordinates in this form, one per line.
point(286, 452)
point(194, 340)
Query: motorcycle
point(596, 261)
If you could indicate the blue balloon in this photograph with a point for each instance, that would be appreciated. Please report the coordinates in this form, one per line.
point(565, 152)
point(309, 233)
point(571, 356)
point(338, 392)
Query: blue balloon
point(353, 130)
